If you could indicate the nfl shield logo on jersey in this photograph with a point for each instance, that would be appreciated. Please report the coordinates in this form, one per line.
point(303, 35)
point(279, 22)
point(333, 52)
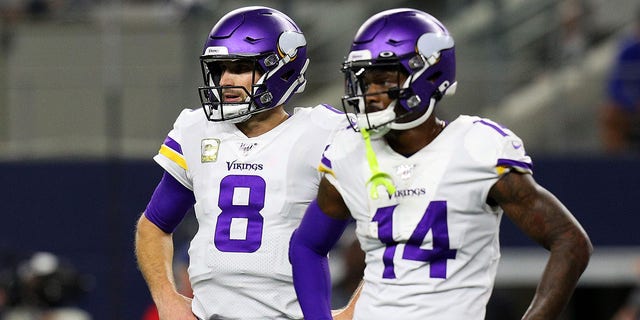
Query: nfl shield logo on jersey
point(209, 150)
point(405, 171)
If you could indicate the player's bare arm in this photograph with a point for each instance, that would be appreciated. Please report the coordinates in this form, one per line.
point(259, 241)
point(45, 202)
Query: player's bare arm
point(331, 202)
point(541, 216)
point(154, 251)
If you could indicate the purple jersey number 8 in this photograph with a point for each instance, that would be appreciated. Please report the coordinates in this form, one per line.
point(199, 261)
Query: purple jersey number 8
point(434, 219)
point(249, 211)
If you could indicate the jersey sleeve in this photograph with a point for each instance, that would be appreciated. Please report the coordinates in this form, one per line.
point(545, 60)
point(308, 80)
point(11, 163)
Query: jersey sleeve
point(341, 156)
point(171, 157)
point(328, 117)
point(331, 152)
point(497, 148)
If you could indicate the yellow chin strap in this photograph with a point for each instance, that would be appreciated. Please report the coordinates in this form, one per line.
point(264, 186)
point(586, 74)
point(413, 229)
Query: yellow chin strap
point(378, 177)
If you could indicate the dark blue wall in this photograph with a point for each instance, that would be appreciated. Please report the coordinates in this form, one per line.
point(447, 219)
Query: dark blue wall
point(603, 193)
point(86, 212)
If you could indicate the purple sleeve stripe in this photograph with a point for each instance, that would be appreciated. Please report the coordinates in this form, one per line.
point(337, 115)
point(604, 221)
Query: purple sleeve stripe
point(326, 162)
point(494, 126)
point(330, 107)
point(514, 163)
point(175, 146)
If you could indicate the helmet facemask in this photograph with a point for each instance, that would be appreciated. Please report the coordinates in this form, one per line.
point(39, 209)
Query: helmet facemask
point(212, 96)
point(360, 78)
point(425, 83)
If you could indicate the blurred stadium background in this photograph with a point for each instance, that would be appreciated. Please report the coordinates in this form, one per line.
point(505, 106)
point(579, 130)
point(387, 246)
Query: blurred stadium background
point(89, 89)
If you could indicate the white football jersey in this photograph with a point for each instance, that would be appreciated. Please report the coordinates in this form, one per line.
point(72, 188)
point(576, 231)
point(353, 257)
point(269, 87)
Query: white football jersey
point(432, 248)
point(250, 195)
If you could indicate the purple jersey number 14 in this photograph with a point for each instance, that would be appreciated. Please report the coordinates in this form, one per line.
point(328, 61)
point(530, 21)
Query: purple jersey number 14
point(434, 219)
point(249, 212)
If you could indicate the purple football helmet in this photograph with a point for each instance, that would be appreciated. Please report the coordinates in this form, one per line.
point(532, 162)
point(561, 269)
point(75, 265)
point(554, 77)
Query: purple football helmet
point(272, 42)
point(410, 41)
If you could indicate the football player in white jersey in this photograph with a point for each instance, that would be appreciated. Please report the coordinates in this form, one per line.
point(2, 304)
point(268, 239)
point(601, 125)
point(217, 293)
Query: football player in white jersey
point(427, 196)
point(247, 167)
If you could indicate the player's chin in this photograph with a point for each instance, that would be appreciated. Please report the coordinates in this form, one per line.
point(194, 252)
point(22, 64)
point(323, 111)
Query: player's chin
point(375, 107)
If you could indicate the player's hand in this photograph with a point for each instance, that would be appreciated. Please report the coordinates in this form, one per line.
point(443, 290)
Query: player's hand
point(342, 314)
point(176, 308)
point(346, 313)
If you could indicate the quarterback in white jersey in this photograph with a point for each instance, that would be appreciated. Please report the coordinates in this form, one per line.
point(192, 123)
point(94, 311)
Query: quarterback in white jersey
point(246, 166)
point(250, 195)
point(427, 196)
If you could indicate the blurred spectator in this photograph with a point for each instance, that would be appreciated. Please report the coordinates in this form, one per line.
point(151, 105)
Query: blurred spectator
point(39, 9)
point(572, 35)
point(630, 310)
point(620, 114)
point(567, 43)
point(30, 9)
point(9, 12)
point(42, 287)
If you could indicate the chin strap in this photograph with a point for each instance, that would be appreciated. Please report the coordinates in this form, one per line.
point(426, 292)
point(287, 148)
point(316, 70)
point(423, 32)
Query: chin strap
point(412, 124)
point(378, 177)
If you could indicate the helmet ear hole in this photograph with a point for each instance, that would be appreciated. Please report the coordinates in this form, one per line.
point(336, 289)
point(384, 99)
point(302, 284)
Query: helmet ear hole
point(434, 77)
point(285, 77)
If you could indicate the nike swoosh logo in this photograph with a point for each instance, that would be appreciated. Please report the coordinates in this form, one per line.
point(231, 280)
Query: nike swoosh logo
point(516, 145)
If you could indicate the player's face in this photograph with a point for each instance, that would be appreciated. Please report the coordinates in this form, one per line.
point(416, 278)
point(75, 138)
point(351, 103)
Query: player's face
point(378, 81)
point(237, 73)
